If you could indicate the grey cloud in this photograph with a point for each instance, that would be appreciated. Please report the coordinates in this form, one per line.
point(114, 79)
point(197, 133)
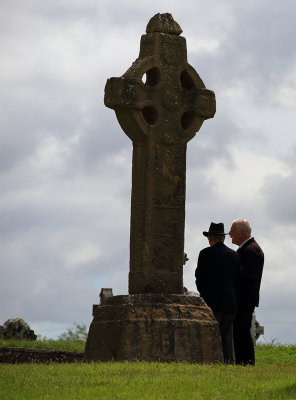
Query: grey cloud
point(280, 193)
point(257, 52)
point(213, 142)
point(102, 137)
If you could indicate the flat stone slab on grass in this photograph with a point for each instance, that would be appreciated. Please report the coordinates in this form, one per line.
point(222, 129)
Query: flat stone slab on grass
point(20, 355)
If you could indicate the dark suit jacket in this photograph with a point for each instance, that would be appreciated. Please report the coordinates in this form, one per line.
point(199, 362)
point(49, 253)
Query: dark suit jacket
point(216, 271)
point(250, 273)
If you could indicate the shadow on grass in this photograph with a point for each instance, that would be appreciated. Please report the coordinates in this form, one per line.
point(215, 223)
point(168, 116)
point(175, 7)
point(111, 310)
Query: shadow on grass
point(288, 392)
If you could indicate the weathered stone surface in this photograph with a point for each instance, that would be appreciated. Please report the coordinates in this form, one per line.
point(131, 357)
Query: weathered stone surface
point(160, 103)
point(105, 294)
point(164, 23)
point(154, 327)
point(256, 329)
point(16, 328)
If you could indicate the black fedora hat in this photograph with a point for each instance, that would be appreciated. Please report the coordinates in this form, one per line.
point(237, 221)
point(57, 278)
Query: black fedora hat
point(215, 229)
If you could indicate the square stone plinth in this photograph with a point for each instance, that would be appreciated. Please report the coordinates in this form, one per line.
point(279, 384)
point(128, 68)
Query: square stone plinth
point(154, 327)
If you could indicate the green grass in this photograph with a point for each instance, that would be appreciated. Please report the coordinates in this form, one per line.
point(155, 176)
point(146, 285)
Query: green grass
point(267, 354)
point(273, 377)
point(61, 345)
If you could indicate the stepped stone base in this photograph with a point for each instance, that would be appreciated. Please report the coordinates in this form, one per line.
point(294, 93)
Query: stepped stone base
point(154, 327)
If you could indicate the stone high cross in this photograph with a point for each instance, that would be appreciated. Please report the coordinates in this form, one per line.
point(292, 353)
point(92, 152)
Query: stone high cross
point(160, 103)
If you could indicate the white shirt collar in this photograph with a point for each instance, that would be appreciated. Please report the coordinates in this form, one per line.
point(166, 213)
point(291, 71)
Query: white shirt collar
point(241, 245)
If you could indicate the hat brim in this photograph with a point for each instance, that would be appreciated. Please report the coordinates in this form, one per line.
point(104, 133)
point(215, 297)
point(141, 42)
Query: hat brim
point(214, 233)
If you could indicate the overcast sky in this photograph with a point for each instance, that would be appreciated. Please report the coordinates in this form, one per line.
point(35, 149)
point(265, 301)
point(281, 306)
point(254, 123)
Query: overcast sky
point(65, 164)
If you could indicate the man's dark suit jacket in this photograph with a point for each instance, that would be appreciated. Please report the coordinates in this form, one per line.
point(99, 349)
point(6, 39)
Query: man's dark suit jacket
point(250, 273)
point(216, 272)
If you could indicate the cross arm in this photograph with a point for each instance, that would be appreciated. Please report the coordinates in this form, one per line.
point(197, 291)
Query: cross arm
point(124, 92)
point(205, 103)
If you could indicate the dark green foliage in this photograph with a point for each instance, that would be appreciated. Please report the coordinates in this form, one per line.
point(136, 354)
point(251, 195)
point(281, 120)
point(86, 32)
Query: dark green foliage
point(74, 335)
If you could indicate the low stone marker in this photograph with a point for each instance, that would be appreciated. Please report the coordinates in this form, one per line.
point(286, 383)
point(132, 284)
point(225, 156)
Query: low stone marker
point(16, 328)
point(105, 294)
point(160, 103)
point(256, 329)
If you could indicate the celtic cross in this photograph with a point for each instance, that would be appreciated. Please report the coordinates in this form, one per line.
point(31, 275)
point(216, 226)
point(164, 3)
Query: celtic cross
point(160, 103)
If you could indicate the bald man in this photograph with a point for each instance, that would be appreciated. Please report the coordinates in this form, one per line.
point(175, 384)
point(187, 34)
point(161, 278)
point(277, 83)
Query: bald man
point(248, 287)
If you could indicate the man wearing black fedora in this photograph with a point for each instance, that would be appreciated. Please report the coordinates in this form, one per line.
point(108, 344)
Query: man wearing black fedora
point(216, 272)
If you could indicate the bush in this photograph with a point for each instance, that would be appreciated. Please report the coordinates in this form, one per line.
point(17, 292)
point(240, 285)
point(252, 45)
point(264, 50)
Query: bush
point(74, 335)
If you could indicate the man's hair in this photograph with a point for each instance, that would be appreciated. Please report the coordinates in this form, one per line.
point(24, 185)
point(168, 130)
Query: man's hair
point(243, 225)
point(216, 238)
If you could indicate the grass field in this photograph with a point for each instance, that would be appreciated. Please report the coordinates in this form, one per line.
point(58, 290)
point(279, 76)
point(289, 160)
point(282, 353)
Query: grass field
point(61, 345)
point(273, 377)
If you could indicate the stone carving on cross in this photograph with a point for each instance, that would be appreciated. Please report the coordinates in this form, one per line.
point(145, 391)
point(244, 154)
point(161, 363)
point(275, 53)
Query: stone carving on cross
point(160, 103)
